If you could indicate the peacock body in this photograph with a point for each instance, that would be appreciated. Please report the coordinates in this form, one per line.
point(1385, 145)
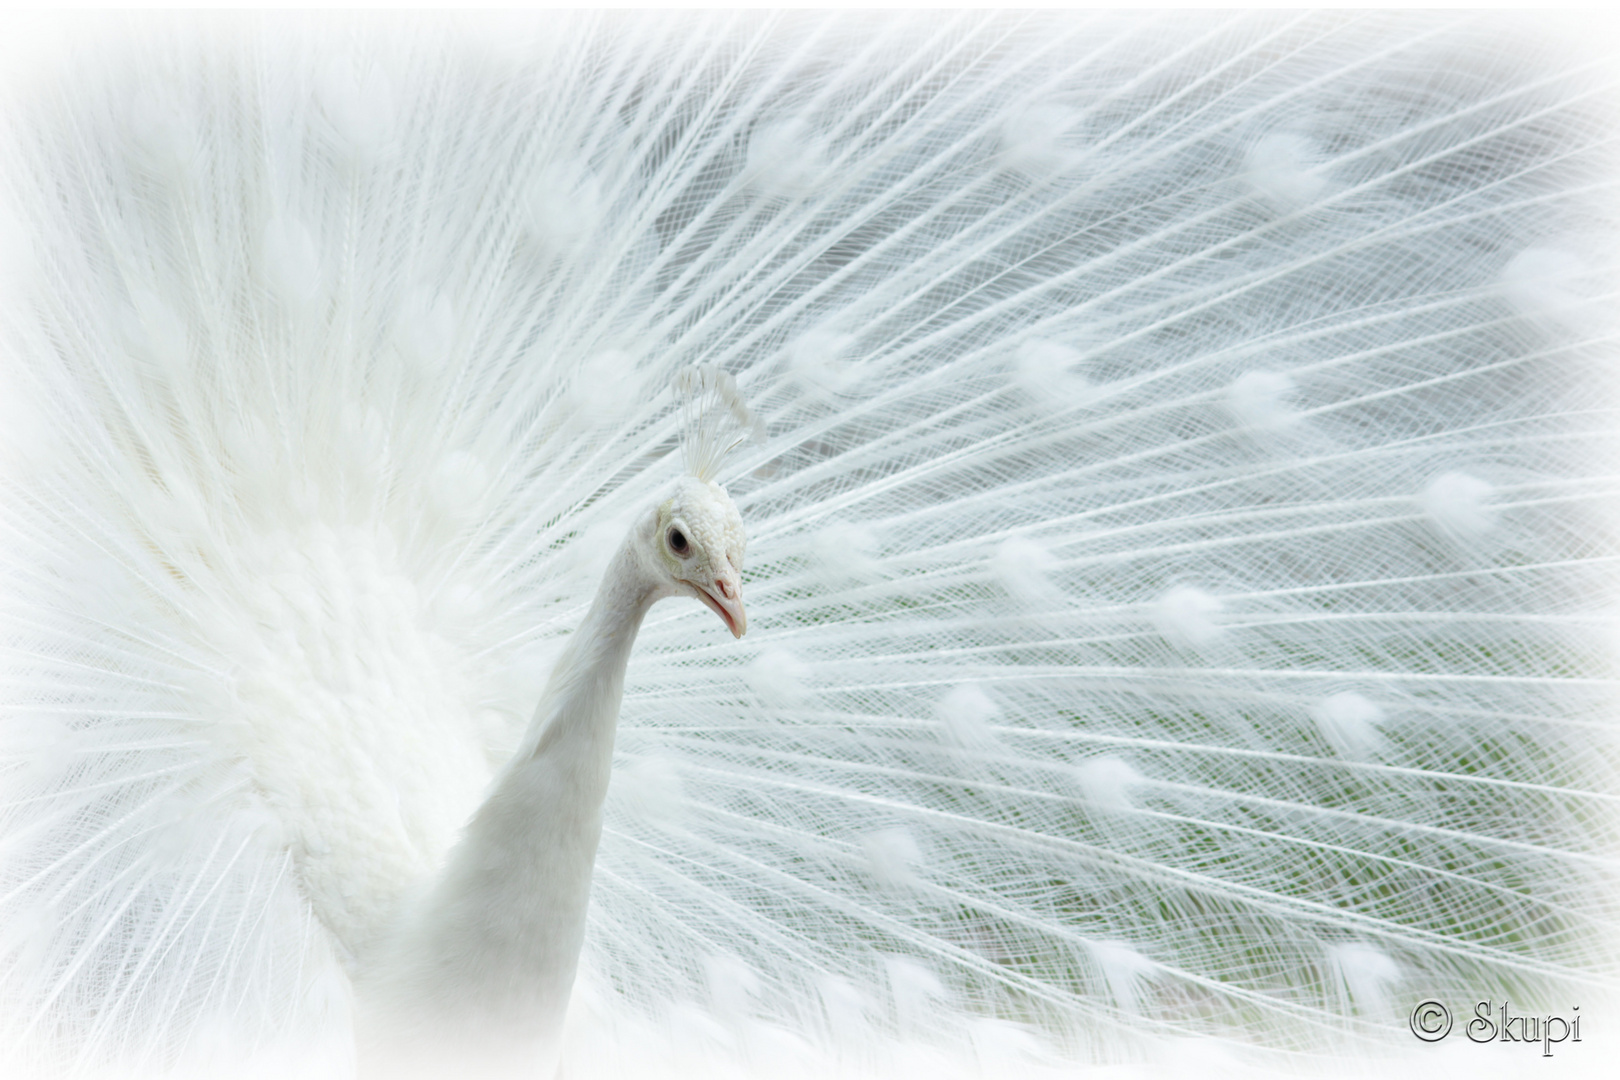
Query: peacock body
point(1181, 542)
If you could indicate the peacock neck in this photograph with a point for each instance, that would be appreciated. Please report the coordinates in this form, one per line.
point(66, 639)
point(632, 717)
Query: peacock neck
point(579, 710)
point(486, 964)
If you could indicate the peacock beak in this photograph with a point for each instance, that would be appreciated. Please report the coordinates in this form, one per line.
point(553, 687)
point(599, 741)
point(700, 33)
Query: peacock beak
point(724, 596)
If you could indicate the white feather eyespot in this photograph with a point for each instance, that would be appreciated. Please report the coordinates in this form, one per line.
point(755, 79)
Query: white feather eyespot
point(821, 362)
point(1350, 722)
point(1284, 169)
point(966, 713)
point(565, 204)
point(1459, 505)
point(1545, 281)
point(1051, 374)
point(787, 159)
point(1366, 975)
point(892, 857)
point(1258, 400)
point(1037, 141)
point(1107, 782)
point(1189, 617)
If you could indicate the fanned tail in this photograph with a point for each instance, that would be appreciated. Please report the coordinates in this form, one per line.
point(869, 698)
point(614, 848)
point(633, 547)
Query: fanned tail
point(1181, 560)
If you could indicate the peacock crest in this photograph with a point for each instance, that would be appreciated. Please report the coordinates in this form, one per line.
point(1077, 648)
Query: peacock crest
point(715, 419)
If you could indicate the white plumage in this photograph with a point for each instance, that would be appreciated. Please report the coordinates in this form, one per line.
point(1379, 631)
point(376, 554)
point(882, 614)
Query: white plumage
point(1181, 539)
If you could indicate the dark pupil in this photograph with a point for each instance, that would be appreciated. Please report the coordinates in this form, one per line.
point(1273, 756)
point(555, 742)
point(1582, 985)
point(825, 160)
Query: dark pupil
point(677, 540)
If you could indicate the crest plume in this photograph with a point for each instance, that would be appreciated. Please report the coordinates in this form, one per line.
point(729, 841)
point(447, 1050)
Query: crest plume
point(715, 419)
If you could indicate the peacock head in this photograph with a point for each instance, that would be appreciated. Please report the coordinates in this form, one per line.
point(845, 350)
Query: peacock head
point(700, 543)
point(699, 533)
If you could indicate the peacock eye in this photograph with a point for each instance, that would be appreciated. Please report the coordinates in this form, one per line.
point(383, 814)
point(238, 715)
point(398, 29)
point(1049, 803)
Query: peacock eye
point(677, 542)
